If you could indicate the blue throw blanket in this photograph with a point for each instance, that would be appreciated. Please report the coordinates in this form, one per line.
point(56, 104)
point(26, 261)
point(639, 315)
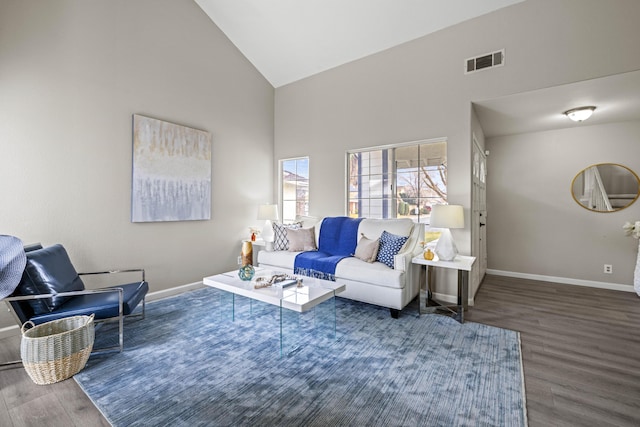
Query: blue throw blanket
point(338, 240)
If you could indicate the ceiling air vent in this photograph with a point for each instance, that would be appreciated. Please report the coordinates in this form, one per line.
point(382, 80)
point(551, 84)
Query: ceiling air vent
point(482, 62)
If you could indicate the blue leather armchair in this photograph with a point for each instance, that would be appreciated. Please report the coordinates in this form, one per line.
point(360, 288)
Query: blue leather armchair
point(51, 289)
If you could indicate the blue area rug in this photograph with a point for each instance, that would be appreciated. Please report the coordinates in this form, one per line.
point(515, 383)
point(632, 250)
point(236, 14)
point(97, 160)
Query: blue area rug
point(187, 364)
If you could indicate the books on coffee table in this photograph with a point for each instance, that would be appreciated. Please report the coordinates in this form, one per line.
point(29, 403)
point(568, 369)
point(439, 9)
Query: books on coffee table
point(286, 283)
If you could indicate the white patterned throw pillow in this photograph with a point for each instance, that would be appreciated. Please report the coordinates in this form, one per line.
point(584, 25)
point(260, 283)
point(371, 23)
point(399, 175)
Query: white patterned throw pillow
point(280, 239)
point(390, 245)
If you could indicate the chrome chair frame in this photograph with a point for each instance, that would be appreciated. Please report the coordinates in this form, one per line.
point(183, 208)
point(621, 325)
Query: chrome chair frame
point(120, 317)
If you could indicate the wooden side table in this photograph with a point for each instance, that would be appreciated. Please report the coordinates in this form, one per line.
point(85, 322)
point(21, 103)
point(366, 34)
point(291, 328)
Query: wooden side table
point(463, 265)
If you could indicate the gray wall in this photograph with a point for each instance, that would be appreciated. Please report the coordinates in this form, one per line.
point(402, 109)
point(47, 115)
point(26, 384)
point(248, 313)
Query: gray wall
point(535, 227)
point(418, 90)
point(72, 74)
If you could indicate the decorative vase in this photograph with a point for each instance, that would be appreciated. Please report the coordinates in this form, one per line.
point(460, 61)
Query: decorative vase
point(246, 254)
point(246, 272)
point(446, 247)
point(636, 273)
point(428, 254)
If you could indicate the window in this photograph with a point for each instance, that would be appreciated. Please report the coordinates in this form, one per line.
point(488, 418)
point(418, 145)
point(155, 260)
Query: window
point(401, 181)
point(294, 188)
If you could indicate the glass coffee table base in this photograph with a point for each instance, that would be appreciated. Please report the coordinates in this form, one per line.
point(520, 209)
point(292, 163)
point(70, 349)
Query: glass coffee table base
point(315, 327)
point(296, 330)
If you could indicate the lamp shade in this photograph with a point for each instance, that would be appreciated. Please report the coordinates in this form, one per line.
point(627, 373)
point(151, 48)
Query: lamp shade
point(447, 216)
point(268, 212)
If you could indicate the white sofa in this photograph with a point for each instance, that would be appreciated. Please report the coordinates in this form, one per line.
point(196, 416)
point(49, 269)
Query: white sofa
point(373, 283)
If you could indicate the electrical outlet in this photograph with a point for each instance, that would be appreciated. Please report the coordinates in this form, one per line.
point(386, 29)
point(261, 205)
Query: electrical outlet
point(240, 261)
point(608, 268)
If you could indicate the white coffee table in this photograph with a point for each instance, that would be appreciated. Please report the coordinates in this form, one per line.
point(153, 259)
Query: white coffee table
point(300, 299)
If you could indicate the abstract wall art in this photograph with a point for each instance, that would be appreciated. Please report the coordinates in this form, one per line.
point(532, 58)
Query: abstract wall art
point(171, 172)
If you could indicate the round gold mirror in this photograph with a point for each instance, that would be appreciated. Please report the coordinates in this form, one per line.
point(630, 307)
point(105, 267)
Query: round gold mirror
point(605, 187)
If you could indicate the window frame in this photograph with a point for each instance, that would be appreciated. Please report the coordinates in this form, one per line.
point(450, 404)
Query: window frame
point(281, 192)
point(392, 175)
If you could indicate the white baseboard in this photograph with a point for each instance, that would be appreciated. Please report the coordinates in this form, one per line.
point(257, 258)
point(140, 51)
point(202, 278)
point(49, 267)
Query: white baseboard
point(166, 293)
point(450, 299)
point(563, 280)
point(152, 296)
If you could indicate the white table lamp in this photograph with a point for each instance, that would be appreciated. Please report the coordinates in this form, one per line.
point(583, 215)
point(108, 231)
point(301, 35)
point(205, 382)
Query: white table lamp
point(446, 217)
point(268, 213)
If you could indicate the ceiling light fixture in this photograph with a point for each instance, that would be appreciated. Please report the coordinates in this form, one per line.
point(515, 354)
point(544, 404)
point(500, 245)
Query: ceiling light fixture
point(579, 114)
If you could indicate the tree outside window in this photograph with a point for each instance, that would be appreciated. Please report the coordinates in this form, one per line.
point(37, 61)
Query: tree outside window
point(398, 181)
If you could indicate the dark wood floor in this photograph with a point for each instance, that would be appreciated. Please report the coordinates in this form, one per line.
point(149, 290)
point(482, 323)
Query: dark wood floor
point(580, 348)
point(581, 355)
point(23, 403)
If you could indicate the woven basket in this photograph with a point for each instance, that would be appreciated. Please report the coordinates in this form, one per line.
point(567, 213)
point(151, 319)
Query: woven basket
point(56, 350)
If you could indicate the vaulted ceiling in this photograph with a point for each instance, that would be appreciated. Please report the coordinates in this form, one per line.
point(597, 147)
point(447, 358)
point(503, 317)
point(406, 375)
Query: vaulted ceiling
point(288, 40)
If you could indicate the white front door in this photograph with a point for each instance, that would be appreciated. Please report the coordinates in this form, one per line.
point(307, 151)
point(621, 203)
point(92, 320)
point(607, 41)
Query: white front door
point(478, 218)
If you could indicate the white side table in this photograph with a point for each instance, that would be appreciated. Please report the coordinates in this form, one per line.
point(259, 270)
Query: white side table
point(260, 245)
point(258, 242)
point(463, 265)
point(268, 246)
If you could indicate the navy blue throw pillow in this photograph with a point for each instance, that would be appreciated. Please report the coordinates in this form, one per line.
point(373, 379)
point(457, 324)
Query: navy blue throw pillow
point(390, 245)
